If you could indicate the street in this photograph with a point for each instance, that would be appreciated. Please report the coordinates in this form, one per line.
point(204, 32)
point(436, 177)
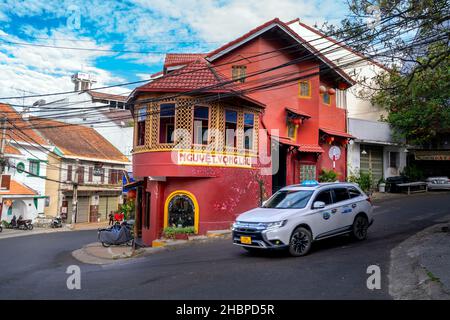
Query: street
point(34, 267)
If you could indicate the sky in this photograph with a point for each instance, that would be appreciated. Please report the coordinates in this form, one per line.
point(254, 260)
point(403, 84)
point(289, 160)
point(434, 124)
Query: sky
point(140, 31)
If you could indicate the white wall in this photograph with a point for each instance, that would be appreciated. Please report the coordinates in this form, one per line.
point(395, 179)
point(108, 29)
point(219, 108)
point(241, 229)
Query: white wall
point(21, 206)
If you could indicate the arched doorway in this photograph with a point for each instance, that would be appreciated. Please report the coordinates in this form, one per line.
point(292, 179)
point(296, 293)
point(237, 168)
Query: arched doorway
point(181, 210)
point(19, 208)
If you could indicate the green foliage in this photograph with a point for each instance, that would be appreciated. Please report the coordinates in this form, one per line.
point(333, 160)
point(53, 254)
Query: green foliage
point(127, 208)
point(328, 175)
point(5, 223)
point(170, 232)
point(363, 179)
point(413, 172)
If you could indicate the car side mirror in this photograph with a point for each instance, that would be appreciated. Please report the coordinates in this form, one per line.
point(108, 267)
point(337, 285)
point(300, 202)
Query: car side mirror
point(319, 205)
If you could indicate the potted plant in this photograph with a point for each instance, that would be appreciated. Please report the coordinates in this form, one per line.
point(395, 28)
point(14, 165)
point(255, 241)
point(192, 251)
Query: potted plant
point(178, 233)
point(328, 175)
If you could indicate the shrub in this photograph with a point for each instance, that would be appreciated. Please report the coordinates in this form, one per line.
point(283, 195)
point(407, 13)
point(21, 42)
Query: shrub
point(328, 176)
point(413, 172)
point(364, 180)
point(170, 232)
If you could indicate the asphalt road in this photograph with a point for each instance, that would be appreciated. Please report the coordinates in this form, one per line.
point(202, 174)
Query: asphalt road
point(34, 267)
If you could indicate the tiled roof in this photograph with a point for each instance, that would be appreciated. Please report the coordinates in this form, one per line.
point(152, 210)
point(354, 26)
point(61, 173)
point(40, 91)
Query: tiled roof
point(299, 113)
point(17, 128)
point(77, 141)
point(337, 133)
point(12, 150)
point(16, 188)
point(309, 148)
point(176, 59)
point(197, 75)
point(107, 96)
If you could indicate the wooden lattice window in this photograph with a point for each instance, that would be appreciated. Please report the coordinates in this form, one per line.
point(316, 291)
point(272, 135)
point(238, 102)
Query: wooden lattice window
point(166, 122)
point(142, 116)
point(249, 128)
point(231, 118)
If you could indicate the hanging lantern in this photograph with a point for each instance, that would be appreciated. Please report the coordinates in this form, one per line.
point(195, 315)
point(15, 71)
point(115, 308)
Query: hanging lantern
point(322, 89)
point(331, 91)
point(342, 86)
point(296, 122)
point(131, 194)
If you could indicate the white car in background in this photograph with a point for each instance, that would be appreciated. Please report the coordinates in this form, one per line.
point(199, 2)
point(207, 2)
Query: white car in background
point(296, 216)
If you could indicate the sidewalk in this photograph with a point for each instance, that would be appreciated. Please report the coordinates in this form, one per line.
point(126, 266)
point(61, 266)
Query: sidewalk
point(11, 233)
point(420, 265)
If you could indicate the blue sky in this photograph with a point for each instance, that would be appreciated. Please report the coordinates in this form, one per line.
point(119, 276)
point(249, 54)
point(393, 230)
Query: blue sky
point(150, 26)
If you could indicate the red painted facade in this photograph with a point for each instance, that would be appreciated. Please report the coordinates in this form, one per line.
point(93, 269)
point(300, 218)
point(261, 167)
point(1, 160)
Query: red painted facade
point(222, 193)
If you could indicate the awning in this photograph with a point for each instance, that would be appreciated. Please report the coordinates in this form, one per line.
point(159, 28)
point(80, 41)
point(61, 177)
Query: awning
point(298, 113)
point(337, 133)
point(301, 147)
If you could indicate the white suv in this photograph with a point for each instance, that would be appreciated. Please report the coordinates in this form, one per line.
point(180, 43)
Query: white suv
point(297, 215)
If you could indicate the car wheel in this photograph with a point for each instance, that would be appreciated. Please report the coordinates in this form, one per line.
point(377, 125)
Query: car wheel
point(359, 228)
point(301, 241)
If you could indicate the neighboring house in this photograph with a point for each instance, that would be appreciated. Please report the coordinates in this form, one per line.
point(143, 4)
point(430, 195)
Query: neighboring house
point(17, 200)
point(178, 185)
point(374, 148)
point(104, 112)
point(26, 153)
point(99, 166)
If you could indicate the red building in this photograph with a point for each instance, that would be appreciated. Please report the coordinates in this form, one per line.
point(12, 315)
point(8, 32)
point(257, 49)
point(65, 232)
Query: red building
point(193, 170)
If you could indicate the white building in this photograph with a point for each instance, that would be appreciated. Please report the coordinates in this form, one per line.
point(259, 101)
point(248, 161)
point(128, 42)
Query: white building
point(374, 148)
point(26, 154)
point(106, 113)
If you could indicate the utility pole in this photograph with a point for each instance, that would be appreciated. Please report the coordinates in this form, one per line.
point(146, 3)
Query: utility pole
point(2, 150)
point(75, 193)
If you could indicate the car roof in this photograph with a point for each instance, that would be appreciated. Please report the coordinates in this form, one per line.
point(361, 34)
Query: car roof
point(318, 186)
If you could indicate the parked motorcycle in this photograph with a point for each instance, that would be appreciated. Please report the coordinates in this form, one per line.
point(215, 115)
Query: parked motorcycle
point(24, 224)
point(56, 222)
point(116, 235)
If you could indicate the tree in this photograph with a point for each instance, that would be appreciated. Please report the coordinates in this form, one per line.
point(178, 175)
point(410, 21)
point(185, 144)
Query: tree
point(412, 38)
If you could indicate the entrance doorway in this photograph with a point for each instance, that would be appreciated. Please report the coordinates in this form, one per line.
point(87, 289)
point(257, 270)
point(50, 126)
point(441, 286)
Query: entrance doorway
point(279, 177)
point(181, 210)
point(371, 160)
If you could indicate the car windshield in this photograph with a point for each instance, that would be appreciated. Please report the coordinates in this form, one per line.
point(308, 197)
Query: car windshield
point(289, 199)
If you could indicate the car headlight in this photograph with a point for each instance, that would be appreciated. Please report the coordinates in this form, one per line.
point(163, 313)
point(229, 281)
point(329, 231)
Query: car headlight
point(275, 225)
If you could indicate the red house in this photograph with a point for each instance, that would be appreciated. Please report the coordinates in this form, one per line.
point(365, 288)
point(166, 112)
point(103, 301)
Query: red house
point(212, 127)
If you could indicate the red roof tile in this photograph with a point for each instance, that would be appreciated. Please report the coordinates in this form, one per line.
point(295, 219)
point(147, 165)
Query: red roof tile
point(337, 133)
point(198, 75)
point(310, 148)
point(77, 140)
point(16, 188)
point(176, 59)
point(19, 129)
point(12, 150)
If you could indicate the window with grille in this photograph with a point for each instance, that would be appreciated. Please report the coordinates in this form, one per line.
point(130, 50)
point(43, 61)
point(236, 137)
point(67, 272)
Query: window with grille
point(239, 73)
point(307, 172)
point(142, 116)
point(34, 168)
point(393, 159)
point(166, 122)
point(305, 89)
point(249, 124)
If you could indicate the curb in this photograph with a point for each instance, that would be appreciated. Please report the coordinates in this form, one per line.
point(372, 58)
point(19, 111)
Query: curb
point(408, 277)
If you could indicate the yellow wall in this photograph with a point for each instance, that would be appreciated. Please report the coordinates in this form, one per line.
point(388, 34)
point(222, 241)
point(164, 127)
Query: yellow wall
point(52, 187)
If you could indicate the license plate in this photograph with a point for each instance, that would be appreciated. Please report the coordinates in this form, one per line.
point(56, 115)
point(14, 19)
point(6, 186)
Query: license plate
point(246, 240)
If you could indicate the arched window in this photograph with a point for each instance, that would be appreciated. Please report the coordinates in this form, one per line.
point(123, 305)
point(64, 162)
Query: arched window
point(181, 210)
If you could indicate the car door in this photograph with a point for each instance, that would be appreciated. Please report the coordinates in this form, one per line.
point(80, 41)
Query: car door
point(345, 207)
point(324, 221)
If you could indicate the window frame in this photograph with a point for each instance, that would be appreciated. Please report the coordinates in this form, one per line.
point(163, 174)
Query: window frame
point(323, 97)
point(300, 89)
point(159, 123)
point(194, 143)
point(252, 146)
point(331, 194)
point(237, 74)
point(235, 144)
point(138, 136)
point(335, 197)
point(397, 156)
point(38, 167)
